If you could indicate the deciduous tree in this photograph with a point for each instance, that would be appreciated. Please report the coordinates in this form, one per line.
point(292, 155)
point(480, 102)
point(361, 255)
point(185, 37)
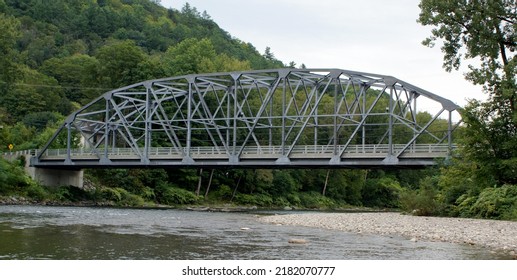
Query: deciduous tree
point(484, 30)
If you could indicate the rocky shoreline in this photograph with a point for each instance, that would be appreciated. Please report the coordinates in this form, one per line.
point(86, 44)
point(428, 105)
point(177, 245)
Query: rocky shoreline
point(496, 235)
point(18, 200)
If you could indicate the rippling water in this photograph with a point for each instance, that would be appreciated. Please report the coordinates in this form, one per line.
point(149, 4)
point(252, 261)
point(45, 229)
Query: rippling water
point(39, 232)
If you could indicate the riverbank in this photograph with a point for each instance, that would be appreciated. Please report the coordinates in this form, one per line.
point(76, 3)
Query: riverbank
point(496, 235)
point(222, 207)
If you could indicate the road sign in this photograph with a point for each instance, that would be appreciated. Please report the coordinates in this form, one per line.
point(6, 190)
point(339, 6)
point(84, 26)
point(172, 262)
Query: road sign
point(11, 146)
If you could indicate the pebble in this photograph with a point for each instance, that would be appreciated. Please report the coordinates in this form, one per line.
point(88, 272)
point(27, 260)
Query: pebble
point(493, 234)
point(297, 241)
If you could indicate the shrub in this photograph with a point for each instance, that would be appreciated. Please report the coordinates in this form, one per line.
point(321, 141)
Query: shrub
point(130, 200)
point(422, 202)
point(71, 193)
point(294, 199)
point(171, 195)
point(381, 192)
point(223, 192)
point(263, 200)
point(37, 192)
point(496, 203)
point(111, 194)
point(314, 200)
point(464, 204)
point(121, 197)
point(281, 201)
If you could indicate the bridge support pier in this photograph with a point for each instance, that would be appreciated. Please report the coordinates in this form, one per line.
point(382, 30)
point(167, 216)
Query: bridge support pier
point(56, 177)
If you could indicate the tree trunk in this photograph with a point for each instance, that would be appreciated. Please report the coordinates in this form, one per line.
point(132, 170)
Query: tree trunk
point(326, 182)
point(199, 181)
point(209, 183)
point(235, 190)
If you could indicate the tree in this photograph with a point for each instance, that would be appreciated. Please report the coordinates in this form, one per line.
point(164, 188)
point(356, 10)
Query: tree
point(119, 64)
point(8, 36)
point(191, 56)
point(70, 72)
point(487, 31)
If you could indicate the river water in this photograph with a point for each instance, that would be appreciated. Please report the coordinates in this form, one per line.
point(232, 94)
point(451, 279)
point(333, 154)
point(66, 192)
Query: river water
point(43, 232)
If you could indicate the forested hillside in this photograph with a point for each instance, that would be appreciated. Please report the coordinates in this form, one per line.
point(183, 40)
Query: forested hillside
point(56, 56)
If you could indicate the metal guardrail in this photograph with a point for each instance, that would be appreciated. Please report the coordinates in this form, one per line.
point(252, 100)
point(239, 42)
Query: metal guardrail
point(15, 154)
point(164, 152)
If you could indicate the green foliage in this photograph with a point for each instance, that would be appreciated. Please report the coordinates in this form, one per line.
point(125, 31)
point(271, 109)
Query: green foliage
point(61, 52)
point(345, 186)
point(263, 200)
point(493, 203)
point(222, 193)
point(283, 183)
point(36, 192)
point(171, 195)
point(13, 178)
point(314, 200)
point(422, 202)
point(381, 192)
point(474, 185)
point(70, 193)
point(121, 197)
point(40, 120)
point(119, 64)
point(10, 27)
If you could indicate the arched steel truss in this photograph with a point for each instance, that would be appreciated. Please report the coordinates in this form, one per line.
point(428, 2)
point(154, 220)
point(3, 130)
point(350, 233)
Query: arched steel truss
point(265, 118)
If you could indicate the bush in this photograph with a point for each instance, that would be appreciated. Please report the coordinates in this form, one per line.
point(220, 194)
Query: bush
point(496, 203)
point(294, 199)
point(223, 192)
point(121, 197)
point(37, 192)
point(110, 194)
point(464, 204)
point(314, 200)
point(381, 192)
point(171, 195)
point(13, 179)
point(263, 200)
point(422, 202)
point(71, 193)
point(281, 201)
point(130, 200)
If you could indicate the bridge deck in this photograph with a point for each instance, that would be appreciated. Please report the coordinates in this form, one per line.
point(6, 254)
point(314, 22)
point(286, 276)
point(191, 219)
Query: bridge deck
point(300, 156)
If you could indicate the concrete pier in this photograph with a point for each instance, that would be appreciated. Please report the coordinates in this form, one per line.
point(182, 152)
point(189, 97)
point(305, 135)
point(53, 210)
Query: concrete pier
point(55, 177)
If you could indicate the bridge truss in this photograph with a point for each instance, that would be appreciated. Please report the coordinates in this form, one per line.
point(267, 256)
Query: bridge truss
point(264, 118)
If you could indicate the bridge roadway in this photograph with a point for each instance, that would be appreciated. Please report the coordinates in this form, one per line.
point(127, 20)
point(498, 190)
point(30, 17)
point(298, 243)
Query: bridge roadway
point(310, 156)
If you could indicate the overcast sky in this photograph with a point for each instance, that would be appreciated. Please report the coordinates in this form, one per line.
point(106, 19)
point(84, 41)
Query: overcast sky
point(374, 36)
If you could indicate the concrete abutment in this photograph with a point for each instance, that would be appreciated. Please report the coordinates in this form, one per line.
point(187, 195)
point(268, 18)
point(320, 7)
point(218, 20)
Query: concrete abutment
point(55, 177)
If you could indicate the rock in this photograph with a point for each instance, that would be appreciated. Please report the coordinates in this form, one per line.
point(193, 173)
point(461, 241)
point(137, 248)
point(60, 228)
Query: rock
point(245, 228)
point(287, 208)
point(413, 239)
point(297, 241)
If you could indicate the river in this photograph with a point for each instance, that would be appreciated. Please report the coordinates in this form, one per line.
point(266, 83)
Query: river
point(44, 232)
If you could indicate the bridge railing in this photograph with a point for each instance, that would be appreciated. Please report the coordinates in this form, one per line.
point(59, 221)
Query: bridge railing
point(16, 154)
point(438, 150)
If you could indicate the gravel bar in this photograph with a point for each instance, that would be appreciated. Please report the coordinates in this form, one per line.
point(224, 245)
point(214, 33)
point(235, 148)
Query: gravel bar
point(497, 235)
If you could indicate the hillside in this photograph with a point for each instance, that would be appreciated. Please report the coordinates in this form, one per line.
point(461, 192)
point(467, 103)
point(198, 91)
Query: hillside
point(60, 54)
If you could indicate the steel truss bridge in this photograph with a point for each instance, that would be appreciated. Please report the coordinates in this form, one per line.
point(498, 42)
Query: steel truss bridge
point(261, 119)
